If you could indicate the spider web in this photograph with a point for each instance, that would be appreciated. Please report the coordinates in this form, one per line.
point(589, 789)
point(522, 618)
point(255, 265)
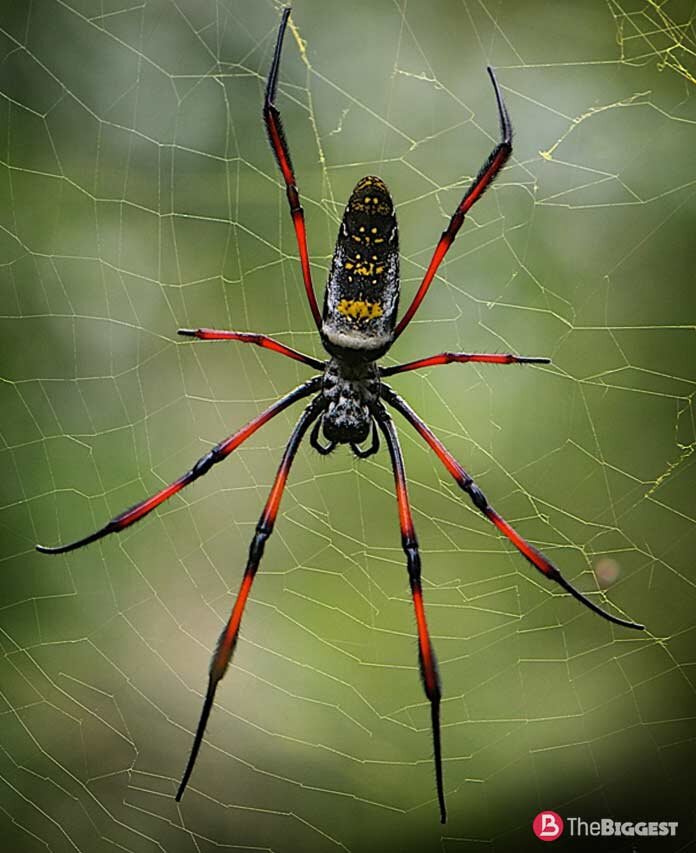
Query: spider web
point(139, 196)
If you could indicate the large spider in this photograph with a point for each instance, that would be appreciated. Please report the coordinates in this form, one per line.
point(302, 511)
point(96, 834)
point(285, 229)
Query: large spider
point(357, 326)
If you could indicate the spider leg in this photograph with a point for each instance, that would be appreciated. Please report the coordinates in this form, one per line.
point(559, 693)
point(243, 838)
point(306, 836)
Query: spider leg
point(202, 466)
point(368, 451)
point(276, 135)
point(409, 542)
point(462, 358)
point(495, 162)
point(252, 338)
point(315, 441)
point(228, 638)
point(467, 484)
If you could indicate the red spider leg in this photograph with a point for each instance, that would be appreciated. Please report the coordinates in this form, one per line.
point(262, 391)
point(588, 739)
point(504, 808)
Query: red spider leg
point(276, 135)
point(202, 466)
point(409, 542)
point(462, 358)
point(252, 338)
point(228, 638)
point(495, 162)
point(467, 484)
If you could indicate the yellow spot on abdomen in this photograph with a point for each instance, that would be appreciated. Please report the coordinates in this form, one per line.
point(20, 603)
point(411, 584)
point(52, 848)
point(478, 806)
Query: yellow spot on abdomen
point(358, 310)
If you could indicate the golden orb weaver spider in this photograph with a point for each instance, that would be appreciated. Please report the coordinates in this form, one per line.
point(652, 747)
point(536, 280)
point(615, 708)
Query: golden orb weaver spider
point(357, 326)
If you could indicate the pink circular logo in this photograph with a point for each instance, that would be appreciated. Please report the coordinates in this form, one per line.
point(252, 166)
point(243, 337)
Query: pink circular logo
point(548, 826)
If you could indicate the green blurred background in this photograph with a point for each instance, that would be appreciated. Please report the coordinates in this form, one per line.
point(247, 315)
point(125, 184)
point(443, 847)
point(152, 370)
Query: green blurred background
point(139, 195)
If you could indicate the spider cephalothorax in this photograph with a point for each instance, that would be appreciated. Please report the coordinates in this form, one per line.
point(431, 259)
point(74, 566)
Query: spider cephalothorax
point(351, 391)
point(357, 327)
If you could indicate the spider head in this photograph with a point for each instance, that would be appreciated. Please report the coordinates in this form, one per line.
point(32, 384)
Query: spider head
point(346, 422)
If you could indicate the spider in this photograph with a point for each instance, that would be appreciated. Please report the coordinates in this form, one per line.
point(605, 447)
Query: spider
point(357, 327)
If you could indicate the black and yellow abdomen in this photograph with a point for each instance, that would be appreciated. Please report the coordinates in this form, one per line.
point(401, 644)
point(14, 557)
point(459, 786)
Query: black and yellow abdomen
point(362, 293)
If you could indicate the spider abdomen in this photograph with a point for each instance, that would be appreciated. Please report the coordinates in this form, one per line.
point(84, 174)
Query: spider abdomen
point(362, 293)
